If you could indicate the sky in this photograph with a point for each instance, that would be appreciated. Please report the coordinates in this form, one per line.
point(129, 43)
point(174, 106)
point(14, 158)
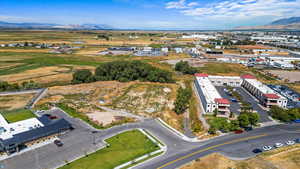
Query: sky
point(151, 14)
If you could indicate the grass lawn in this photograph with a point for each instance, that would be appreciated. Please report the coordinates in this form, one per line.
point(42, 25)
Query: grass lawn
point(17, 115)
point(123, 148)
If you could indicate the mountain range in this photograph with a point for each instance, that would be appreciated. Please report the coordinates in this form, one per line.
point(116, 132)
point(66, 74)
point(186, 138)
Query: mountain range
point(8, 25)
point(292, 23)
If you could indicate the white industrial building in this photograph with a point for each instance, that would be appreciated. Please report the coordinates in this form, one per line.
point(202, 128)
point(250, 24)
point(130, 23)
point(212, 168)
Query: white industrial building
point(267, 96)
point(199, 36)
point(210, 97)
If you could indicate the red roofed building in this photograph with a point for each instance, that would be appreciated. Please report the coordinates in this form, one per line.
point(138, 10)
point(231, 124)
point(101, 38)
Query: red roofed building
point(271, 96)
point(201, 75)
point(248, 77)
point(223, 107)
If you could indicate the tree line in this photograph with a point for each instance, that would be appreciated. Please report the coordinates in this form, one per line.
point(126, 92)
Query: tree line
point(123, 71)
point(5, 86)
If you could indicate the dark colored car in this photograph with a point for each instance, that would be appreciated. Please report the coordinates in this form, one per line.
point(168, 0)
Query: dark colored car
point(297, 140)
point(257, 150)
point(58, 143)
point(234, 100)
point(52, 117)
point(248, 128)
point(238, 131)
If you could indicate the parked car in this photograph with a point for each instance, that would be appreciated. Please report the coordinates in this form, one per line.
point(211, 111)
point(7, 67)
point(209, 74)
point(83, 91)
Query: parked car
point(248, 128)
point(52, 117)
point(297, 140)
point(267, 148)
point(58, 143)
point(290, 142)
point(297, 121)
point(234, 100)
point(257, 150)
point(277, 145)
point(238, 131)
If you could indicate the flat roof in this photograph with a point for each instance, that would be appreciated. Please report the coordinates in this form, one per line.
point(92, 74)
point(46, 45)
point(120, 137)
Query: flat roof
point(262, 87)
point(209, 90)
point(11, 129)
point(225, 77)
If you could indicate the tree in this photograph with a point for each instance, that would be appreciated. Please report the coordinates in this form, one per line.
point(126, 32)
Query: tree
point(82, 76)
point(279, 113)
point(184, 67)
point(243, 120)
point(182, 100)
point(253, 118)
point(212, 130)
point(234, 125)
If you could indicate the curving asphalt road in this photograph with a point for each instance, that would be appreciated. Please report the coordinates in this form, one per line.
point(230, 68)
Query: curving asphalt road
point(83, 140)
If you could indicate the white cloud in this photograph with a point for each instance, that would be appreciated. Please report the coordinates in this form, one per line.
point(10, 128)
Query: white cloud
point(181, 4)
point(13, 18)
point(239, 9)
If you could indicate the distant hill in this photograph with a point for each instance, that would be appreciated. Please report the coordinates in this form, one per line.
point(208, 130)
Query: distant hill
point(292, 23)
point(286, 21)
point(8, 25)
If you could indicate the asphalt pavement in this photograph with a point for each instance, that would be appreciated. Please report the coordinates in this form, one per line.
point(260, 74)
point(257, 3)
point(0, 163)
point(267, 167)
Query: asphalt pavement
point(81, 140)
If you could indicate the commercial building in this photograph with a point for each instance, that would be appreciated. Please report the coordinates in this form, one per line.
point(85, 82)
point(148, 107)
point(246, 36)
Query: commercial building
point(267, 96)
point(17, 135)
point(210, 97)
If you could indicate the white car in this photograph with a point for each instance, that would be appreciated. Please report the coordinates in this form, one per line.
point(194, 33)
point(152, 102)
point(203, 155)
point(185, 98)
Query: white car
point(290, 142)
point(277, 145)
point(267, 148)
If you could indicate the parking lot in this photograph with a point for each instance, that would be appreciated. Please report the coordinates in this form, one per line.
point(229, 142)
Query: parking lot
point(235, 106)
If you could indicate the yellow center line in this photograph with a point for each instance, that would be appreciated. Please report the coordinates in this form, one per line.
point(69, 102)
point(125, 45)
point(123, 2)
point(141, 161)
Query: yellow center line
point(211, 147)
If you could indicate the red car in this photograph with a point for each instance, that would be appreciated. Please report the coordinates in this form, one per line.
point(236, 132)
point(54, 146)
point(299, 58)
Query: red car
point(238, 131)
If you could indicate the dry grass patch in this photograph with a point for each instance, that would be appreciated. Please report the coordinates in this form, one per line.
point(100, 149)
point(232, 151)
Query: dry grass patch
point(12, 102)
point(38, 74)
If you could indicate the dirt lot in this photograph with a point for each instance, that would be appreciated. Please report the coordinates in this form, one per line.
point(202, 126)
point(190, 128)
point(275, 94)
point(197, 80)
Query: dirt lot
point(12, 102)
point(143, 98)
point(284, 158)
point(291, 76)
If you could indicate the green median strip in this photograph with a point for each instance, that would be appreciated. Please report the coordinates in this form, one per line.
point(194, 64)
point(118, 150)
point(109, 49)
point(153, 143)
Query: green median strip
point(122, 148)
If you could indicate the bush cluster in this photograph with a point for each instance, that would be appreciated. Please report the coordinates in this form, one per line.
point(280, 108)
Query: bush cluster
point(283, 114)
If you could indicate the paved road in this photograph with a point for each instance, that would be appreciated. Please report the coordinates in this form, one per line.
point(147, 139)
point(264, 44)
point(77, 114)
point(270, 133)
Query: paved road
point(233, 146)
point(81, 141)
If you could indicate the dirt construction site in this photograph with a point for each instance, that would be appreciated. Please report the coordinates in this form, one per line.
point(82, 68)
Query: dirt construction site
point(139, 98)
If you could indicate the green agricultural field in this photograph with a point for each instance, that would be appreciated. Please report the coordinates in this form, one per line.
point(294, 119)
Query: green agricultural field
point(123, 148)
point(17, 115)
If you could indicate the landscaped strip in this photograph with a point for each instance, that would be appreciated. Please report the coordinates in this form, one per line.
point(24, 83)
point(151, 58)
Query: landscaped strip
point(17, 115)
point(122, 148)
